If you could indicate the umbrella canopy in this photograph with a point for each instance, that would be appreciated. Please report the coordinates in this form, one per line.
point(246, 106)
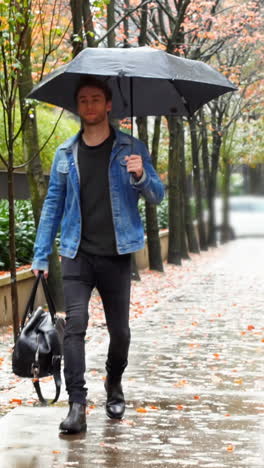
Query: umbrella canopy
point(144, 81)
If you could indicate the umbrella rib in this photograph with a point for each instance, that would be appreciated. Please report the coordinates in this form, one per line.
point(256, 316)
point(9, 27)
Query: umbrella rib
point(185, 103)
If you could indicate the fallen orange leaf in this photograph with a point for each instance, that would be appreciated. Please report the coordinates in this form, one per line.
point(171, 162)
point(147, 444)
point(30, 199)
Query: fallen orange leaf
point(230, 448)
point(141, 410)
point(179, 407)
point(154, 407)
point(217, 356)
point(196, 397)
point(16, 400)
point(56, 451)
point(251, 327)
point(181, 383)
point(238, 381)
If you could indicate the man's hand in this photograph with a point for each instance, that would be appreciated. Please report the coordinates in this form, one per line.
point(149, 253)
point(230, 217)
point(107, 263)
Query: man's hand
point(46, 273)
point(135, 165)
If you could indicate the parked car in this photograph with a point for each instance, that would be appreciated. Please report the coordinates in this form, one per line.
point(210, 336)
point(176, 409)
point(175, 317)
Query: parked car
point(246, 216)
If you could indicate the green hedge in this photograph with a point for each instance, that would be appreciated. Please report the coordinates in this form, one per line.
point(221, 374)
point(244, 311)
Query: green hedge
point(46, 119)
point(24, 232)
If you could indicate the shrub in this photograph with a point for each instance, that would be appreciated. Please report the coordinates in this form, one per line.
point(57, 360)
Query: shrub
point(162, 213)
point(24, 233)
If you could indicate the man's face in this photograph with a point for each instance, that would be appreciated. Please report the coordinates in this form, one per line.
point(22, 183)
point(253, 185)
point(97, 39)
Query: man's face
point(92, 105)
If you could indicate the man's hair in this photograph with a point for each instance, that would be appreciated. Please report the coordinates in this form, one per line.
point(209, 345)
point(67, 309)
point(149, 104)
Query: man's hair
point(95, 82)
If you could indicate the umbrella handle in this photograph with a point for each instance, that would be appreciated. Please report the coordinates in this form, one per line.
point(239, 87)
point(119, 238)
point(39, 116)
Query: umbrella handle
point(131, 117)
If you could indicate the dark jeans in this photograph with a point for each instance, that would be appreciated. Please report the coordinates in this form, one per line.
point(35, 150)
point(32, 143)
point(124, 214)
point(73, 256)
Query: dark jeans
point(112, 278)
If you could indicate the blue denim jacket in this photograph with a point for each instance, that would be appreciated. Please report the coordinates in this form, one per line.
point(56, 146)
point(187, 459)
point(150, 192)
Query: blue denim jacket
point(62, 203)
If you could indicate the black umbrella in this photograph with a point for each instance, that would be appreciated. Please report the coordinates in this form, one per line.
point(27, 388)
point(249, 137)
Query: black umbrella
point(144, 81)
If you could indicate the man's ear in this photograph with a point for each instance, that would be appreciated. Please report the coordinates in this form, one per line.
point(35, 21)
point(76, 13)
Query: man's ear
point(108, 106)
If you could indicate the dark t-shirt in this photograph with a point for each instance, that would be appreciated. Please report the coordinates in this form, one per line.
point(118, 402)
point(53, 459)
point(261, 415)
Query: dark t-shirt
point(98, 235)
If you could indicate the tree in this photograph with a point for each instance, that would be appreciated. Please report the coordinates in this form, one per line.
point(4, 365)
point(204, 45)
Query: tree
point(154, 248)
point(12, 49)
point(17, 22)
point(36, 179)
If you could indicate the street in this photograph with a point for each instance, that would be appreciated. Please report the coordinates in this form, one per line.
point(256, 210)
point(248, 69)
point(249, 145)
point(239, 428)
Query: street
point(194, 385)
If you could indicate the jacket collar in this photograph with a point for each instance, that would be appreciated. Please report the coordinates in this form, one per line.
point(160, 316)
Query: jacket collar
point(121, 138)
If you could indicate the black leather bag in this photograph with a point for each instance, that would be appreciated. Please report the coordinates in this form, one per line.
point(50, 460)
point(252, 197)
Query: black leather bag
point(39, 347)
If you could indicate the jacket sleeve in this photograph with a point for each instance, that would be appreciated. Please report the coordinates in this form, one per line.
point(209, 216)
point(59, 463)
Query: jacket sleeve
point(51, 216)
point(150, 185)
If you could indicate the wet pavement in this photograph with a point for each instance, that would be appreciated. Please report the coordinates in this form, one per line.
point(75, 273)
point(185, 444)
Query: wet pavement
point(194, 385)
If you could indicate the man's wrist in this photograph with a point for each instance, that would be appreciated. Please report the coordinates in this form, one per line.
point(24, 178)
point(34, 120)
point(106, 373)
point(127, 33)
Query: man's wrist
point(140, 179)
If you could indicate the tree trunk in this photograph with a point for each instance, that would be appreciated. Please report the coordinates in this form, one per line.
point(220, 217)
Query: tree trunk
point(125, 23)
point(12, 246)
point(256, 179)
point(110, 23)
point(197, 184)
point(175, 218)
point(205, 152)
point(36, 179)
point(77, 35)
point(88, 23)
point(225, 233)
point(212, 188)
point(184, 247)
point(154, 250)
point(188, 225)
point(142, 38)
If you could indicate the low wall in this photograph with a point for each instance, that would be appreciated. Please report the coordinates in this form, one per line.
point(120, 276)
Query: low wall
point(142, 255)
point(25, 280)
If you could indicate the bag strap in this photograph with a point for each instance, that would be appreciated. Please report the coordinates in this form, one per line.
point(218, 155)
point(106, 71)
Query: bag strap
point(50, 302)
point(56, 359)
point(30, 303)
point(56, 364)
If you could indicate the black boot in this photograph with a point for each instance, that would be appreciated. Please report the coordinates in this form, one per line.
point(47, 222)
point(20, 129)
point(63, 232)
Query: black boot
point(115, 403)
point(75, 421)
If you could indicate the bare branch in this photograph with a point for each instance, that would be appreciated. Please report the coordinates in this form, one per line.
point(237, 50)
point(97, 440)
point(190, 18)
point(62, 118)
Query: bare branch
point(43, 146)
point(163, 8)
point(143, 3)
point(3, 161)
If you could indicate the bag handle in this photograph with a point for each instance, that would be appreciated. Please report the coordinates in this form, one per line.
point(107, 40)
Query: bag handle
point(48, 297)
point(56, 364)
point(30, 304)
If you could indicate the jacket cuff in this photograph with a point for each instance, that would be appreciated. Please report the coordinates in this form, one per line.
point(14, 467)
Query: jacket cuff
point(134, 181)
point(40, 265)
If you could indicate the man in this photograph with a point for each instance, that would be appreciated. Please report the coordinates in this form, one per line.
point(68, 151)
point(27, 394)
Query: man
point(95, 183)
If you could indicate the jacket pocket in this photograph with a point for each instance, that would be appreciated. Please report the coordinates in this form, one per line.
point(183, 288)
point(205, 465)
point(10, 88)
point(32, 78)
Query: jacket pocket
point(63, 166)
point(123, 162)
